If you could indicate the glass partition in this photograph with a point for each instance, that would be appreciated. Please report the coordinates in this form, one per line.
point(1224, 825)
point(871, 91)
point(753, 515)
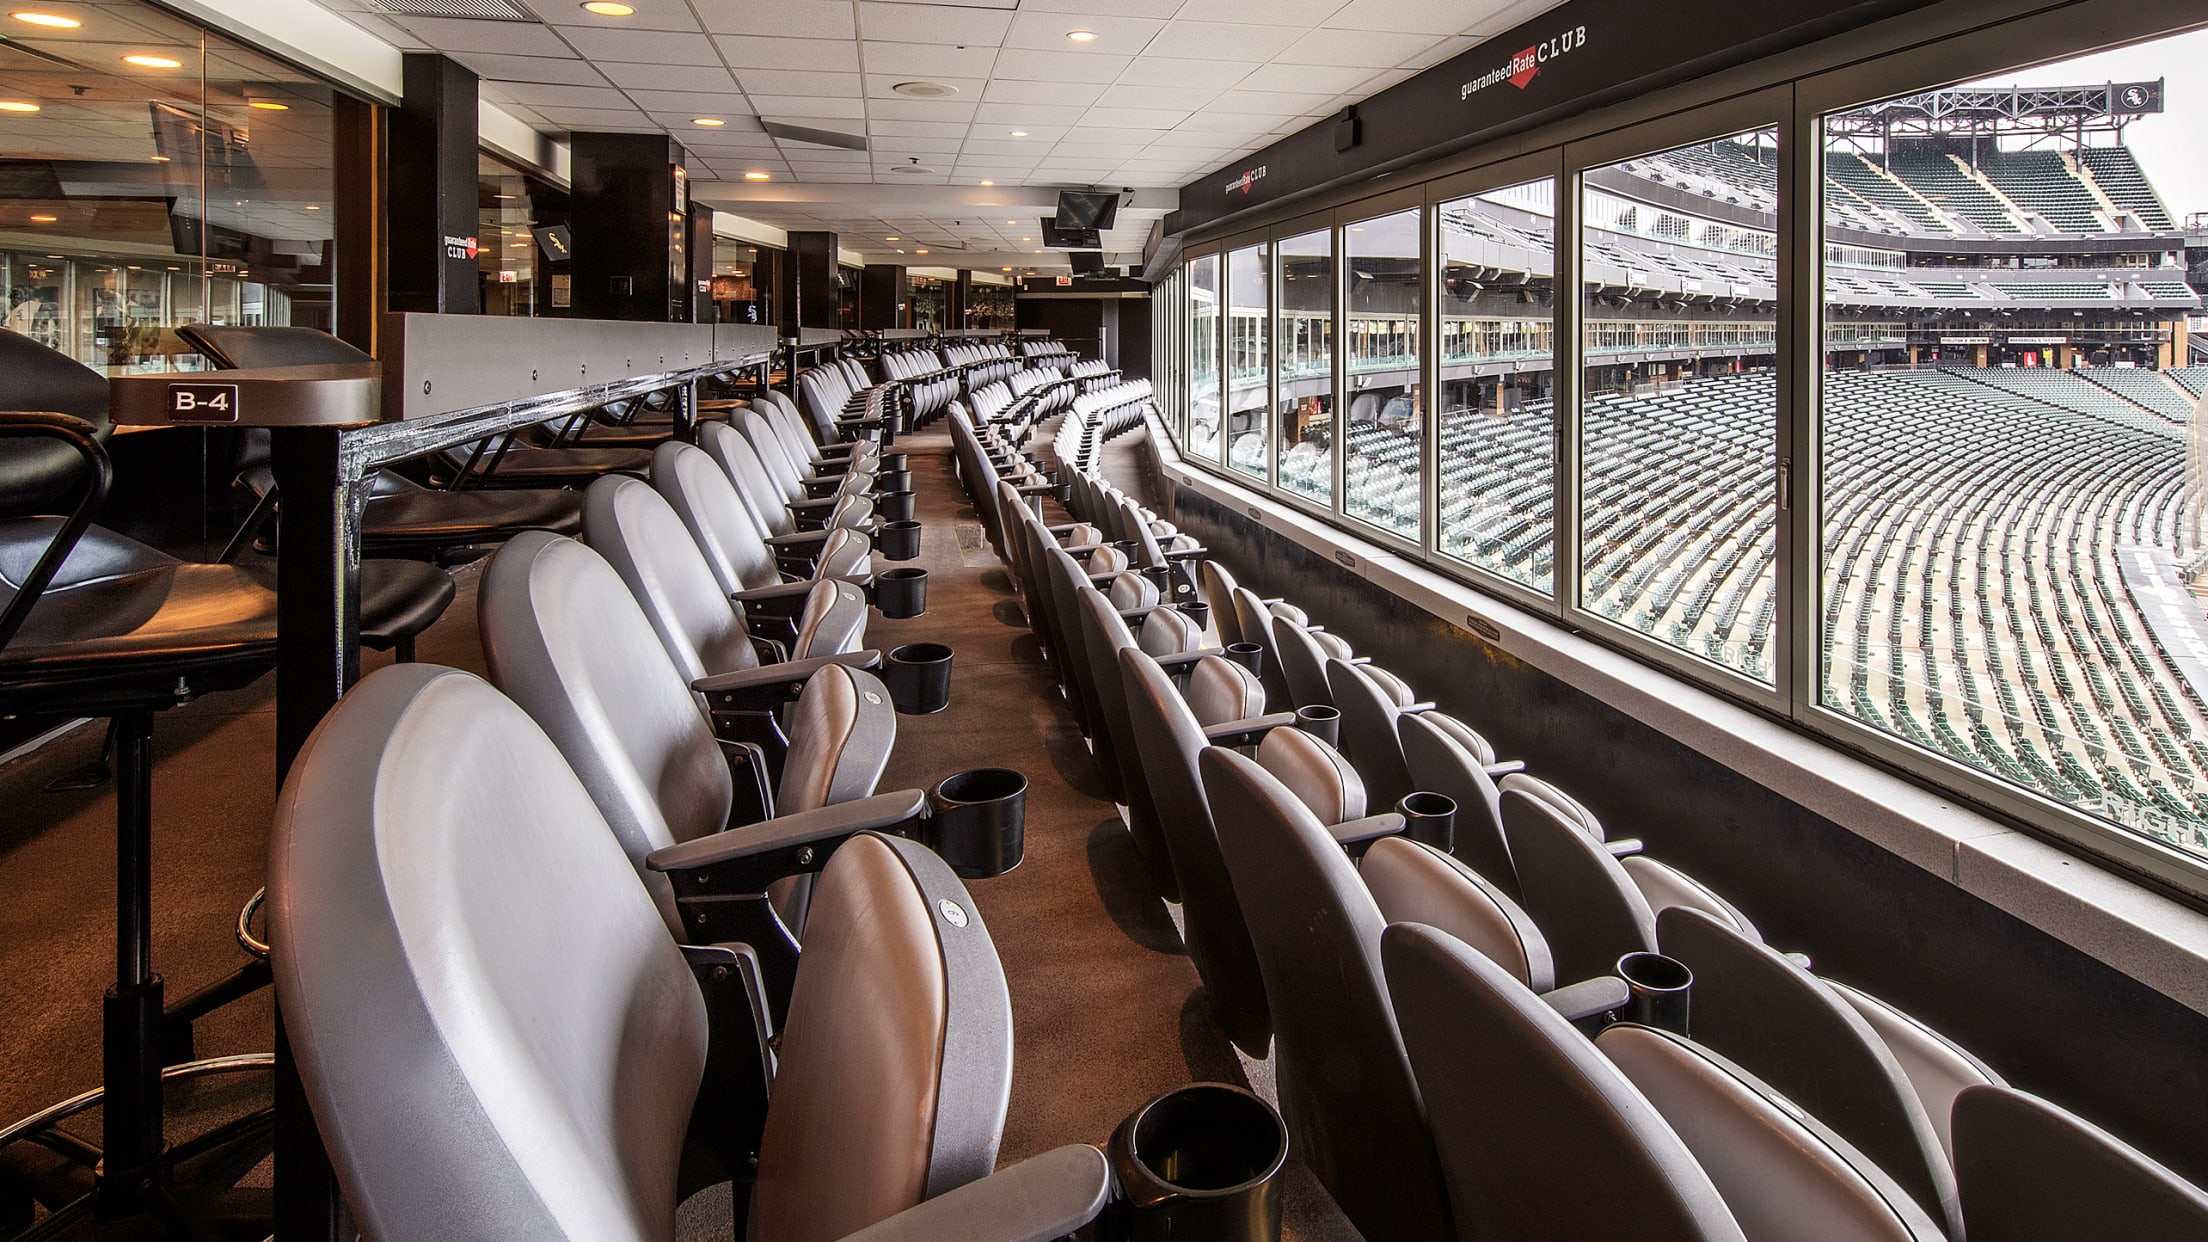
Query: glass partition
point(1203, 358)
point(519, 253)
point(1679, 406)
point(1249, 366)
point(1384, 430)
point(1304, 372)
point(1498, 380)
point(189, 182)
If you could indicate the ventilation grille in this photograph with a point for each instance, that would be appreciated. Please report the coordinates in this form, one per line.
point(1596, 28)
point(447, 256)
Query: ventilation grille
point(479, 10)
point(818, 137)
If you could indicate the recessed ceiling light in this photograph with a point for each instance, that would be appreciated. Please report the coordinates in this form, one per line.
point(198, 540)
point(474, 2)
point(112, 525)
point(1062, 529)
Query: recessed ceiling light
point(609, 8)
point(153, 62)
point(1082, 36)
point(919, 252)
point(1029, 239)
point(755, 176)
point(503, 197)
point(52, 21)
point(17, 105)
point(160, 159)
point(268, 105)
point(1006, 269)
point(893, 239)
point(710, 122)
point(988, 183)
point(313, 207)
point(925, 90)
point(1019, 133)
point(920, 169)
point(45, 219)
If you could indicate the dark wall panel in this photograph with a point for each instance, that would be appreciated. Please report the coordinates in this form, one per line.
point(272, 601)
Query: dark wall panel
point(2050, 1018)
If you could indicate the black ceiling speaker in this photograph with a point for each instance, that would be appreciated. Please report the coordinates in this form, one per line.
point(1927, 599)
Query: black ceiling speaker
point(1349, 129)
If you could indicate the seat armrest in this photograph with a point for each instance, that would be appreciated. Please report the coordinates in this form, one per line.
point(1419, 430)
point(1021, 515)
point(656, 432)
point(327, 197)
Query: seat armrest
point(787, 679)
point(1369, 829)
point(1187, 554)
point(1623, 847)
point(1184, 660)
point(1588, 998)
point(797, 539)
point(1248, 730)
point(1505, 768)
point(1036, 1200)
point(1414, 709)
point(780, 592)
point(809, 508)
point(756, 855)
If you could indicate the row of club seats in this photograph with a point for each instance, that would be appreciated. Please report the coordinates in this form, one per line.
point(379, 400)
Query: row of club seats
point(1017, 403)
point(799, 997)
point(1433, 1074)
point(1098, 415)
point(915, 385)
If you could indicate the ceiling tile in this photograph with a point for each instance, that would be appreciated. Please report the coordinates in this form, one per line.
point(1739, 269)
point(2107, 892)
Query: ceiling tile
point(919, 129)
point(1304, 13)
point(798, 82)
point(921, 109)
point(542, 94)
point(708, 78)
point(643, 46)
point(1115, 35)
point(933, 61)
point(1228, 40)
point(1028, 116)
point(1037, 66)
point(815, 19)
point(769, 52)
point(495, 68)
point(511, 38)
point(1370, 48)
point(649, 15)
point(1134, 118)
point(1153, 70)
point(1076, 94)
point(798, 107)
point(1305, 78)
point(1188, 98)
point(883, 86)
point(1111, 8)
point(932, 23)
point(619, 119)
point(1428, 17)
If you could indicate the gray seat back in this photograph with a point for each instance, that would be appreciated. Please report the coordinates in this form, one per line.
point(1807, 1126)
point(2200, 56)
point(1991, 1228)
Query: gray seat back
point(471, 976)
point(1939, 1069)
point(1784, 1176)
point(644, 540)
point(566, 641)
point(1413, 882)
point(1438, 761)
point(700, 492)
point(1168, 739)
point(1370, 720)
point(1540, 1135)
point(1103, 636)
point(1219, 591)
point(1256, 624)
point(1774, 1019)
point(1574, 889)
point(1220, 690)
point(1302, 664)
point(1353, 1112)
point(2033, 1172)
point(761, 495)
point(1316, 773)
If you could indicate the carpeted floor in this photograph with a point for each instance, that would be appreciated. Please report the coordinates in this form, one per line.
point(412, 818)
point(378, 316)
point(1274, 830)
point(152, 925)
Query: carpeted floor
point(1106, 1008)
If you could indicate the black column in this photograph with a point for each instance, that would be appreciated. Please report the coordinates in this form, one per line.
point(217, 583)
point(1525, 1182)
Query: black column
point(357, 182)
point(808, 287)
point(432, 190)
point(958, 301)
point(632, 235)
point(703, 308)
point(883, 294)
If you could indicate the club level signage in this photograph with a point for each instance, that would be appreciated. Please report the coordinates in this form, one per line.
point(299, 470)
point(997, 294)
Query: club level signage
point(460, 248)
point(1521, 69)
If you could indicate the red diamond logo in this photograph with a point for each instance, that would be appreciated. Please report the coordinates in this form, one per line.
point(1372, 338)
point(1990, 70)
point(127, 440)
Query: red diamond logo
point(1522, 68)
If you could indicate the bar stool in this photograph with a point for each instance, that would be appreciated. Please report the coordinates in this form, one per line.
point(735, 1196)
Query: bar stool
point(91, 627)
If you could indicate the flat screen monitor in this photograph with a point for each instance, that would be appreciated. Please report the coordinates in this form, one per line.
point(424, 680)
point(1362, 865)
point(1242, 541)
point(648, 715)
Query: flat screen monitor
point(1086, 209)
point(1087, 262)
point(1070, 239)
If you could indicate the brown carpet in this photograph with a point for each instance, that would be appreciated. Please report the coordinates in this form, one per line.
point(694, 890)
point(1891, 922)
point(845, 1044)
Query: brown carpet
point(1106, 1008)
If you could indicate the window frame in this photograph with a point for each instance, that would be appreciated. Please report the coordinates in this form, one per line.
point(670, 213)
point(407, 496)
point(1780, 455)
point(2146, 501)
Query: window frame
point(1284, 230)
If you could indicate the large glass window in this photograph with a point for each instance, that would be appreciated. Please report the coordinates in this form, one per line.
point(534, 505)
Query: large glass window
point(1384, 432)
point(1249, 365)
point(2012, 553)
point(1679, 407)
point(519, 218)
point(1498, 380)
point(1304, 350)
point(1203, 358)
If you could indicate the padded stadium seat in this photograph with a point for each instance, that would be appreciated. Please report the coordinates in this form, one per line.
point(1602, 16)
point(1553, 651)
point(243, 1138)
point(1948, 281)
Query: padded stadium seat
point(1774, 1019)
point(2030, 1171)
point(465, 948)
point(1639, 1133)
point(737, 549)
point(762, 497)
point(565, 640)
point(1353, 1112)
point(1443, 755)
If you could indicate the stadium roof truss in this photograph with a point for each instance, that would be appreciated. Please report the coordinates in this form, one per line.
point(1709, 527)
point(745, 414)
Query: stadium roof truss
point(2106, 107)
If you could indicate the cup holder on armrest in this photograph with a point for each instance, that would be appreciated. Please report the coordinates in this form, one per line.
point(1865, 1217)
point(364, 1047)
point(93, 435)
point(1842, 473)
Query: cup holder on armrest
point(977, 821)
point(902, 594)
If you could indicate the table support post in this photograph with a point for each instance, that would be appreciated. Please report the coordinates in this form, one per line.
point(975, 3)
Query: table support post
point(318, 656)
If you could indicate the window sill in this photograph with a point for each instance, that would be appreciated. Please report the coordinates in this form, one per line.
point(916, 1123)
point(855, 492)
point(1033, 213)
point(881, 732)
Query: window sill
point(2129, 927)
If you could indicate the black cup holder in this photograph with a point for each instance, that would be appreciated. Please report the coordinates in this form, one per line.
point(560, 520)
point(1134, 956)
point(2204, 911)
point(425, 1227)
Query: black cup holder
point(1200, 1161)
point(1197, 612)
point(977, 821)
point(1321, 722)
point(1429, 818)
point(1159, 576)
point(1657, 989)
point(891, 461)
point(894, 506)
point(918, 676)
point(1248, 655)
point(898, 541)
point(892, 481)
point(902, 594)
